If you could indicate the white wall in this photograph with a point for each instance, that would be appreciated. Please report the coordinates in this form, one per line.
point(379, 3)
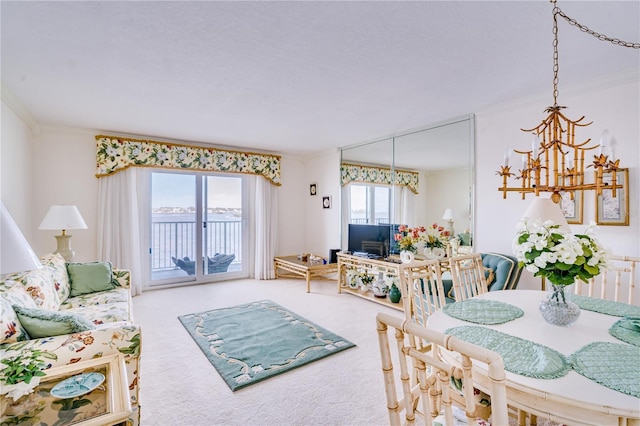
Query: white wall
point(16, 171)
point(447, 190)
point(322, 226)
point(616, 108)
point(64, 173)
point(291, 217)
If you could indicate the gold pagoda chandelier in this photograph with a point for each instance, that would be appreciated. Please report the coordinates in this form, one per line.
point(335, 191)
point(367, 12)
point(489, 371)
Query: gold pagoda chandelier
point(556, 162)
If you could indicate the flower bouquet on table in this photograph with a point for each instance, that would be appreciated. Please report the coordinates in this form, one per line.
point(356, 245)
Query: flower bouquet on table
point(436, 236)
point(561, 257)
point(408, 238)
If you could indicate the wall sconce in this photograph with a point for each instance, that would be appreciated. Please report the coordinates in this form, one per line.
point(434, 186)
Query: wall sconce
point(63, 217)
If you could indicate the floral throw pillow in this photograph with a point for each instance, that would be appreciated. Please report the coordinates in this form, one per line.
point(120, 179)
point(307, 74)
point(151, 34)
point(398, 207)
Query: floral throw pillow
point(58, 269)
point(40, 286)
point(13, 293)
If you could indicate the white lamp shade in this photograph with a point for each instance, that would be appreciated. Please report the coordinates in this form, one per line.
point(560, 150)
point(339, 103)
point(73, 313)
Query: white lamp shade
point(545, 209)
point(449, 214)
point(16, 254)
point(63, 217)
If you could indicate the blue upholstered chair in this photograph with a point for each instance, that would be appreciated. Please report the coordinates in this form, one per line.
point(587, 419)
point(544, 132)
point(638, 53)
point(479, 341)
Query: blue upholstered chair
point(503, 272)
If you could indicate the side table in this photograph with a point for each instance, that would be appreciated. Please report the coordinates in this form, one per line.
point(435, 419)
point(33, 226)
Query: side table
point(306, 269)
point(101, 403)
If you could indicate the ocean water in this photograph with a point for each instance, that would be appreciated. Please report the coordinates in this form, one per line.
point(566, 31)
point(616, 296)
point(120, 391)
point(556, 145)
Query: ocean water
point(174, 235)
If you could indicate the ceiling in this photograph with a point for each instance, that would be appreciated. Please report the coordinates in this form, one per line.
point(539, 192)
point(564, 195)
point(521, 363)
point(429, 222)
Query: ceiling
point(294, 77)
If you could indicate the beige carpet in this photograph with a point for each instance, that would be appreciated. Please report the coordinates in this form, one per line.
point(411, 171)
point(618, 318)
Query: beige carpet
point(180, 387)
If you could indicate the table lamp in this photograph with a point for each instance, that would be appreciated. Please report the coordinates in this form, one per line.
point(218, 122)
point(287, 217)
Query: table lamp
point(545, 209)
point(63, 217)
point(449, 215)
point(16, 254)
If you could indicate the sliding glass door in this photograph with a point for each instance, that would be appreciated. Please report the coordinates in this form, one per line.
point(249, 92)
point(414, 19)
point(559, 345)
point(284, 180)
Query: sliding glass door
point(197, 228)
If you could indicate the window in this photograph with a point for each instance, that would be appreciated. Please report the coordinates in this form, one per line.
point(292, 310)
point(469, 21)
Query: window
point(197, 227)
point(369, 204)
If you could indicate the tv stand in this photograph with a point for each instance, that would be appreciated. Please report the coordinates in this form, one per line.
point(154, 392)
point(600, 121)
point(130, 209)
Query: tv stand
point(374, 267)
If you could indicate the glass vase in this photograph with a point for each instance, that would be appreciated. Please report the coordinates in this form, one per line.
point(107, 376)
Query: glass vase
point(557, 309)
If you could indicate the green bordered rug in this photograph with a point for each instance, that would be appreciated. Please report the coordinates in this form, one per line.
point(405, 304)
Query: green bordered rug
point(252, 342)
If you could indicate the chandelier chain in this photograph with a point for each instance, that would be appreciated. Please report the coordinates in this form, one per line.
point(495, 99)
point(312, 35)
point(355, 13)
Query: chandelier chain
point(601, 37)
point(555, 55)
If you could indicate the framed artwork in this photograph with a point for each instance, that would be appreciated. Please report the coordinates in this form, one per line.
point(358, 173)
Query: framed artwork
point(313, 189)
point(612, 210)
point(572, 208)
point(326, 202)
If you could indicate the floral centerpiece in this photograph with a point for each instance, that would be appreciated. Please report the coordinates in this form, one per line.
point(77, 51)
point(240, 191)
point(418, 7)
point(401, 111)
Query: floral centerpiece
point(561, 257)
point(408, 238)
point(436, 236)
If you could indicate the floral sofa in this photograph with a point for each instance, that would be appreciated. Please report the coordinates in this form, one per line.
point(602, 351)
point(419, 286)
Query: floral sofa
point(84, 322)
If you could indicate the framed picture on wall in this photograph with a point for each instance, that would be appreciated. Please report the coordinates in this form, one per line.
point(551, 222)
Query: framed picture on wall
point(313, 189)
point(571, 205)
point(326, 202)
point(612, 210)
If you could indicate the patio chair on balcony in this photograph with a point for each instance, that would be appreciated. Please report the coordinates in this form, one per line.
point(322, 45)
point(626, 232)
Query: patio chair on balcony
point(217, 263)
point(220, 262)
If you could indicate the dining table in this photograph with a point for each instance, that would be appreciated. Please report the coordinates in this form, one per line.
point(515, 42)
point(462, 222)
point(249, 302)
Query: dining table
point(577, 375)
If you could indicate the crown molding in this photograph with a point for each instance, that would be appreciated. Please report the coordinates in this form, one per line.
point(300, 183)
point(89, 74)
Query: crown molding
point(629, 76)
point(16, 106)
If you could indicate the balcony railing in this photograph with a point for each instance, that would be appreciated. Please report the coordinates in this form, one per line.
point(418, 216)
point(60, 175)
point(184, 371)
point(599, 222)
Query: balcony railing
point(178, 239)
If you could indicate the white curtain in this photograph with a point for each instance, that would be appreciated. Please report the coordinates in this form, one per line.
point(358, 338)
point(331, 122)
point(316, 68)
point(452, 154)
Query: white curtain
point(265, 228)
point(119, 234)
point(404, 201)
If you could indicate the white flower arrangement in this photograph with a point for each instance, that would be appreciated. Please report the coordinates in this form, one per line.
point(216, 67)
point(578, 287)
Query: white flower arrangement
point(561, 257)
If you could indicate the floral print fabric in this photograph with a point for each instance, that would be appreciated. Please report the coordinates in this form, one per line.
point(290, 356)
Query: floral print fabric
point(114, 153)
point(114, 333)
point(56, 265)
point(382, 175)
point(41, 287)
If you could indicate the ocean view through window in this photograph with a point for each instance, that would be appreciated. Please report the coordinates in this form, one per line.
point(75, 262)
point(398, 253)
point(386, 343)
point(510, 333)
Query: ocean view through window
point(186, 227)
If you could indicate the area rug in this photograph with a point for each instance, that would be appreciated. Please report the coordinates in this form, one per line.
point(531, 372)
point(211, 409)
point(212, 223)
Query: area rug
point(252, 342)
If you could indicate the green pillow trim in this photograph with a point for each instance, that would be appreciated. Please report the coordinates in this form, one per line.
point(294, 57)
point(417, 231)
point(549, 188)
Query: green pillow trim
point(90, 277)
point(45, 323)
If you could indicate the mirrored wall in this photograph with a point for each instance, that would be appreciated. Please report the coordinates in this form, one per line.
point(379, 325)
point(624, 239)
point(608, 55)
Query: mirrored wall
point(427, 172)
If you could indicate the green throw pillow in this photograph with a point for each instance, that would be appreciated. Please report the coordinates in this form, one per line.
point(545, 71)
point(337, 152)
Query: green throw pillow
point(44, 323)
point(90, 277)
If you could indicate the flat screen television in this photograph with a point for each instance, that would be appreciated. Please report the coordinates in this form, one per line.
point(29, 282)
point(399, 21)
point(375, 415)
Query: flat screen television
point(372, 240)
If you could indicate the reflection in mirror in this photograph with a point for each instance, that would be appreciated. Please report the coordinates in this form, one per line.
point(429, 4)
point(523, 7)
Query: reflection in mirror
point(415, 178)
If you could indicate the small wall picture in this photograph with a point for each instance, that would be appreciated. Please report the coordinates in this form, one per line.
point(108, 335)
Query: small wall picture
point(612, 210)
point(572, 208)
point(326, 202)
point(313, 189)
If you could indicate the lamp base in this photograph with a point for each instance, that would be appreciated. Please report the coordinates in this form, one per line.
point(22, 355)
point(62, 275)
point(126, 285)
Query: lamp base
point(64, 247)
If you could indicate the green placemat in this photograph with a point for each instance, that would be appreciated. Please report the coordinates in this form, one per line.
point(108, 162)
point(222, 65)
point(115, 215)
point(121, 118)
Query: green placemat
point(520, 356)
point(614, 365)
point(482, 311)
point(608, 307)
point(627, 329)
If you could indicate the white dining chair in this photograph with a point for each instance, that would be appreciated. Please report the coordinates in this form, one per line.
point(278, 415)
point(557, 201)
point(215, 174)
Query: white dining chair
point(433, 395)
point(612, 284)
point(425, 291)
point(467, 276)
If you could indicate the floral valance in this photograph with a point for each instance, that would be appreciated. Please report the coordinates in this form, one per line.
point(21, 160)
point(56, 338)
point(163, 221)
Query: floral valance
point(382, 175)
point(116, 153)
